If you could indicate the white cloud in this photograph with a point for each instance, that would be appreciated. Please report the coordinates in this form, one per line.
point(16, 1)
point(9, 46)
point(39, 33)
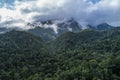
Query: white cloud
point(104, 11)
point(82, 10)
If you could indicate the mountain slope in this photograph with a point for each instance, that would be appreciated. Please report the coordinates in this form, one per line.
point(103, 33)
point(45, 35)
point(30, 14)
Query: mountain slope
point(20, 40)
point(3, 30)
point(49, 30)
point(88, 40)
point(74, 40)
point(87, 55)
point(102, 26)
point(46, 34)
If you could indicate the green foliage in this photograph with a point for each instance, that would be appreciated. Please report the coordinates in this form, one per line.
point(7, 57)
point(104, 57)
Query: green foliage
point(87, 55)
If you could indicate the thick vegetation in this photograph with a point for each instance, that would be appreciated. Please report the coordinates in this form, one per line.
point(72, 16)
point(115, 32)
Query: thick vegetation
point(87, 55)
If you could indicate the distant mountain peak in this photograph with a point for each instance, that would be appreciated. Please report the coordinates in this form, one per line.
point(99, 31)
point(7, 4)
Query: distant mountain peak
point(50, 29)
point(102, 26)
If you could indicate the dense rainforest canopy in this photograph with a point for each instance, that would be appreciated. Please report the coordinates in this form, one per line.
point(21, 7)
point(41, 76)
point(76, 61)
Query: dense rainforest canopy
point(86, 55)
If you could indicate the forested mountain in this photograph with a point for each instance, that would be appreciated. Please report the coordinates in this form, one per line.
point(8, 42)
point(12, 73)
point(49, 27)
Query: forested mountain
point(102, 26)
point(3, 30)
point(85, 55)
point(50, 29)
point(88, 40)
point(71, 40)
point(46, 34)
point(59, 39)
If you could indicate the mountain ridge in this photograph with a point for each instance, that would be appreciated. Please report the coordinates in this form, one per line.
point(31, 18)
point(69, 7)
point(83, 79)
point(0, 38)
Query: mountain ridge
point(91, 52)
point(51, 29)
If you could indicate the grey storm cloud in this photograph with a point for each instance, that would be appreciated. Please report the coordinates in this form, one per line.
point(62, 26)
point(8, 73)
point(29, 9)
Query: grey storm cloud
point(81, 10)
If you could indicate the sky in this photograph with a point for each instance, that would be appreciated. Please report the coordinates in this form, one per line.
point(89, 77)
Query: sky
point(17, 13)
